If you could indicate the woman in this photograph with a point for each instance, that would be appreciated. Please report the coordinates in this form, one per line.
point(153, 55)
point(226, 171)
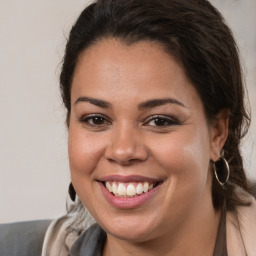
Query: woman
point(155, 113)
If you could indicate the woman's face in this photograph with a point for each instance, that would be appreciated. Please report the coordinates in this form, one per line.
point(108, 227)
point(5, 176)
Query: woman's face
point(138, 129)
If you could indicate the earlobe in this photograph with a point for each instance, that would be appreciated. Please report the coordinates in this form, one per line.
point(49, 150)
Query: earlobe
point(219, 134)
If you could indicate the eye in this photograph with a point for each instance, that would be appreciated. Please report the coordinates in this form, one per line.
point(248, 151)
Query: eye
point(161, 121)
point(94, 120)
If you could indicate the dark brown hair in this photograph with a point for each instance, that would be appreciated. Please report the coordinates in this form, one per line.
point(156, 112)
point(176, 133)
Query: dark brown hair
point(193, 32)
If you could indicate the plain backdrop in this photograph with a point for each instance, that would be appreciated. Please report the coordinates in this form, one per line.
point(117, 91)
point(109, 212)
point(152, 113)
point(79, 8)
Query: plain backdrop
point(34, 171)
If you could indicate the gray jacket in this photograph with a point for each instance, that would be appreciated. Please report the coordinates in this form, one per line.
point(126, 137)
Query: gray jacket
point(22, 239)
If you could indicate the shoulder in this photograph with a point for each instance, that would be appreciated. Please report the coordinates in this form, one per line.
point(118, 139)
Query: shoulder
point(22, 238)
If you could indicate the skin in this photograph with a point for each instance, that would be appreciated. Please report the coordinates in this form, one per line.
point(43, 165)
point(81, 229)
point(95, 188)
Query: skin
point(127, 140)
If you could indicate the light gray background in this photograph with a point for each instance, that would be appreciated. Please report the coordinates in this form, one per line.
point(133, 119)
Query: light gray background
point(34, 172)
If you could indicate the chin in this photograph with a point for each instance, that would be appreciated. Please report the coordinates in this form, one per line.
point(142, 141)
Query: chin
point(130, 229)
point(132, 235)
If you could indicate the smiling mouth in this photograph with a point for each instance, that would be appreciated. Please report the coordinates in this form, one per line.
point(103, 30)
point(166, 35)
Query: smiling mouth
point(131, 189)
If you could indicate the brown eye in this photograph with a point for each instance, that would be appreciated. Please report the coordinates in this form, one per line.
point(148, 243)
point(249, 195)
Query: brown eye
point(161, 121)
point(94, 120)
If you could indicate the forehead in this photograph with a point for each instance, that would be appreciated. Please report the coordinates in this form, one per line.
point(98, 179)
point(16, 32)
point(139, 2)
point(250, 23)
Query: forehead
point(114, 68)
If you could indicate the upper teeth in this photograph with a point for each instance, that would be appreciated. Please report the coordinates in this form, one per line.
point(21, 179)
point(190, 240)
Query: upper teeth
point(128, 189)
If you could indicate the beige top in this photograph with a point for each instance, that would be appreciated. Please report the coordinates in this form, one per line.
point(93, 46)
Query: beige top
point(241, 229)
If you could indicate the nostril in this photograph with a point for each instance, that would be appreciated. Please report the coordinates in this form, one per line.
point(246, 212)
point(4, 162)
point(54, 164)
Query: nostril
point(126, 155)
point(124, 162)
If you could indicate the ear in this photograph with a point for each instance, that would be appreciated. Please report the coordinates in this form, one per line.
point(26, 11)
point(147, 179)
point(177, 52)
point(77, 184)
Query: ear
point(218, 133)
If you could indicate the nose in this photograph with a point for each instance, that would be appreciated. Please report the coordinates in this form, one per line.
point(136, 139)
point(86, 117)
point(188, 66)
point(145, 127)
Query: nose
point(126, 146)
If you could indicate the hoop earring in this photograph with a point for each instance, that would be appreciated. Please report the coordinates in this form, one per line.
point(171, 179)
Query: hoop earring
point(221, 165)
point(72, 192)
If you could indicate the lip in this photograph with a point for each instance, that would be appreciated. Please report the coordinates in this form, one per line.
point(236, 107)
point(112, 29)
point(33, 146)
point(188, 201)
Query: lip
point(128, 202)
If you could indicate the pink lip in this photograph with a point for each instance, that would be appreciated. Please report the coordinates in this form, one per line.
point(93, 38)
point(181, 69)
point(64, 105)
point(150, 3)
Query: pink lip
point(128, 203)
point(126, 179)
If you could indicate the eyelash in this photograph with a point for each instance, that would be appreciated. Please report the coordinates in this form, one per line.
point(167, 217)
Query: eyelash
point(165, 121)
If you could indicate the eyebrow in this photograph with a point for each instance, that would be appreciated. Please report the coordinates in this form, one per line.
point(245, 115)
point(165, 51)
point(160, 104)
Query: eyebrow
point(144, 105)
point(159, 102)
point(96, 102)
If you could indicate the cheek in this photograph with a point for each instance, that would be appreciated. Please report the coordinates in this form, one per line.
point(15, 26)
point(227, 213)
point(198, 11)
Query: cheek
point(184, 153)
point(185, 159)
point(84, 151)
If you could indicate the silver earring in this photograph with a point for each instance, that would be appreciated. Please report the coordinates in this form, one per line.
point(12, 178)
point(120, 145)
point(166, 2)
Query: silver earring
point(221, 171)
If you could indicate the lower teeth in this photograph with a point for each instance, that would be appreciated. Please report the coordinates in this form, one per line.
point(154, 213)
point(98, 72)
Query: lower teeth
point(117, 195)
